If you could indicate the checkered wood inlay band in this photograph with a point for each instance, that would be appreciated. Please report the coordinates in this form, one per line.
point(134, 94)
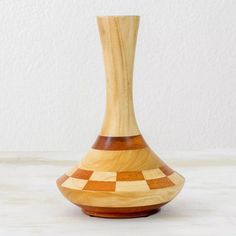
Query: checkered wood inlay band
point(80, 179)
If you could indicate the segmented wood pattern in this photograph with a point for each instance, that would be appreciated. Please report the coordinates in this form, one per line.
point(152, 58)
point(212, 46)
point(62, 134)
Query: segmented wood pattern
point(120, 176)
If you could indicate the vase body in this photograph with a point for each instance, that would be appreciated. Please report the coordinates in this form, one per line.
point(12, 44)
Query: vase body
point(120, 176)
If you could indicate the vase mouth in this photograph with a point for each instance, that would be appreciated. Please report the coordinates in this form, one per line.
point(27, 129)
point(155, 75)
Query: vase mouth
point(118, 16)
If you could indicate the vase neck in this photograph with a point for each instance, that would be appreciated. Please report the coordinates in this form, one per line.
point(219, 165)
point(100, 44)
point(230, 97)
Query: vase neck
point(118, 37)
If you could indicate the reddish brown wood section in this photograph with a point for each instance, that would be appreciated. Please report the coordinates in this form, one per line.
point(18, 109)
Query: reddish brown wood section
point(159, 183)
point(129, 176)
point(119, 143)
point(166, 170)
point(62, 179)
point(100, 186)
point(82, 174)
point(121, 212)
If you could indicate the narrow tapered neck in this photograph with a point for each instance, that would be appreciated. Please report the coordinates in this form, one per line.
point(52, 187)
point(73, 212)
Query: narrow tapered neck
point(118, 37)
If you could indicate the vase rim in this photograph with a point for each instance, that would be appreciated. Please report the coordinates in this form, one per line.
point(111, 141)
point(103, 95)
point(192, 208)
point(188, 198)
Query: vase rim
point(118, 16)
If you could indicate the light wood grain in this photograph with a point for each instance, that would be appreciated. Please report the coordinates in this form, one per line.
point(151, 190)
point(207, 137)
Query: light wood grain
point(126, 160)
point(118, 37)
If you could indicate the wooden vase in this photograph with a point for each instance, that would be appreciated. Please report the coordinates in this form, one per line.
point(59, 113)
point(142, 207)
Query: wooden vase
point(120, 177)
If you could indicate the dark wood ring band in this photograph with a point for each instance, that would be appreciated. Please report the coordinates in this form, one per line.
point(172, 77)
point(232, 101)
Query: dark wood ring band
point(119, 143)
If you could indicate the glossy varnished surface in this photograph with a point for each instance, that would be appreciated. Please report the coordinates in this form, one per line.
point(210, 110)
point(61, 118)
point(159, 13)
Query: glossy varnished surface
point(120, 160)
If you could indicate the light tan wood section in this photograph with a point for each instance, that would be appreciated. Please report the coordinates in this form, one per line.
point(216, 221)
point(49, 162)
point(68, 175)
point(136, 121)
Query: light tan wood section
point(128, 160)
point(118, 37)
point(153, 173)
point(103, 176)
point(73, 183)
point(129, 186)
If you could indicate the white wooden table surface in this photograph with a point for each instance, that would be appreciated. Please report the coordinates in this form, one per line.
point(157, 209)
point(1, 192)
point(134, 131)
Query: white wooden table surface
point(30, 203)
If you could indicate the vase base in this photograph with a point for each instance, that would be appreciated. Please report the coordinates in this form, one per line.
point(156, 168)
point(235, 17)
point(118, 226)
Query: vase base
point(121, 213)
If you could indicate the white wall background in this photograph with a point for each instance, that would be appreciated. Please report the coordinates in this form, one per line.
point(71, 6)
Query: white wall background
point(52, 86)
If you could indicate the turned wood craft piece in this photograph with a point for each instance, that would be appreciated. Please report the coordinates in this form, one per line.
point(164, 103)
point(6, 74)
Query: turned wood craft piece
point(120, 177)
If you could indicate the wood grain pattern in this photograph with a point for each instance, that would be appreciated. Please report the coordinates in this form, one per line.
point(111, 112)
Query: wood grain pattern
point(118, 37)
point(125, 160)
